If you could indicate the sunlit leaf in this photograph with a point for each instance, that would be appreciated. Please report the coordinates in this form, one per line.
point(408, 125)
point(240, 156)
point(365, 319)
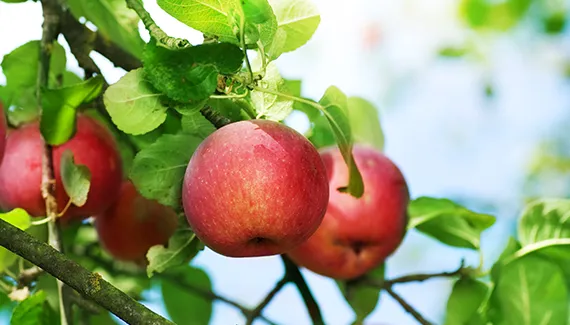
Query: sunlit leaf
point(76, 179)
point(335, 106)
point(181, 248)
point(448, 222)
point(134, 106)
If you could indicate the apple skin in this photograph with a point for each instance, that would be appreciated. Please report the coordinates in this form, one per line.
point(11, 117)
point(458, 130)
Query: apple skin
point(21, 170)
point(357, 235)
point(255, 188)
point(3, 127)
point(133, 224)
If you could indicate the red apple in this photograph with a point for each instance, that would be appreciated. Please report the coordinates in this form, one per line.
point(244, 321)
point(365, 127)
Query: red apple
point(2, 132)
point(255, 188)
point(357, 234)
point(21, 170)
point(133, 224)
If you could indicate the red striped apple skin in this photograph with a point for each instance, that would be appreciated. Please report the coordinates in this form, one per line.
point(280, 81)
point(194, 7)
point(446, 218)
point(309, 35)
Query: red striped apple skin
point(255, 188)
point(357, 235)
point(21, 169)
point(3, 128)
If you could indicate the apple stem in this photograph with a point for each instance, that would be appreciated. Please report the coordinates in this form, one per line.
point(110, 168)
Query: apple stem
point(293, 272)
point(90, 285)
point(214, 117)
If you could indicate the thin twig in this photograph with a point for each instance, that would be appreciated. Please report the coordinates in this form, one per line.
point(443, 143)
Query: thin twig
point(296, 277)
point(257, 311)
point(50, 31)
point(462, 270)
point(408, 308)
point(153, 29)
point(90, 285)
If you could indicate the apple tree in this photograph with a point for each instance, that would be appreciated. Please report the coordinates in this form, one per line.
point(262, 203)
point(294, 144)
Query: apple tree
point(107, 190)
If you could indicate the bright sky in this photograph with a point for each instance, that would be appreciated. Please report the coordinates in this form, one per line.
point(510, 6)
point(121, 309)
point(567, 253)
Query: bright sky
point(446, 138)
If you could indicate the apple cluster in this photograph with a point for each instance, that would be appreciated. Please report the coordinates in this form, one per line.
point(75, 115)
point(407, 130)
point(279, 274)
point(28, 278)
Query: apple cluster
point(258, 188)
point(252, 188)
point(127, 223)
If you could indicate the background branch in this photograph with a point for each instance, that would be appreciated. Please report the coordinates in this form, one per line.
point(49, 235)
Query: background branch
point(89, 284)
point(296, 277)
point(257, 311)
point(408, 307)
point(82, 41)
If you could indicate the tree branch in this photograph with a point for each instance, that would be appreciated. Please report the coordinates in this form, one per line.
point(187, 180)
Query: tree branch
point(174, 279)
point(90, 285)
point(388, 284)
point(257, 311)
point(153, 29)
point(82, 41)
point(407, 307)
point(296, 277)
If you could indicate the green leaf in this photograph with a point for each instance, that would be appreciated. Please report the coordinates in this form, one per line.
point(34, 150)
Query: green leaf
point(335, 106)
point(185, 307)
point(257, 11)
point(297, 21)
point(467, 297)
point(191, 73)
point(475, 12)
point(18, 218)
point(544, 219)
point(362, 298)
point(528, 291)
point(14, 1)
point(365, 123)
point(555, 250)
point(195, 123)
point(158, 170)
point(511, 248)
point(134, 106)
point(76, 179)
point(448, 222)
point(272, 107)
point(21, 65)
point(182, 248)
point(21, 69)
point(211, 17)
point(34, 310)
point(113, 19)
point(59, 108)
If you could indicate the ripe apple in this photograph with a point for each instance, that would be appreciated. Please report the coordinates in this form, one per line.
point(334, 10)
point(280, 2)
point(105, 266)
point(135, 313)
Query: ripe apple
point(21, 170)
point(255, 188)
point(357, 234)
point(133, 224)
point(2, 132)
